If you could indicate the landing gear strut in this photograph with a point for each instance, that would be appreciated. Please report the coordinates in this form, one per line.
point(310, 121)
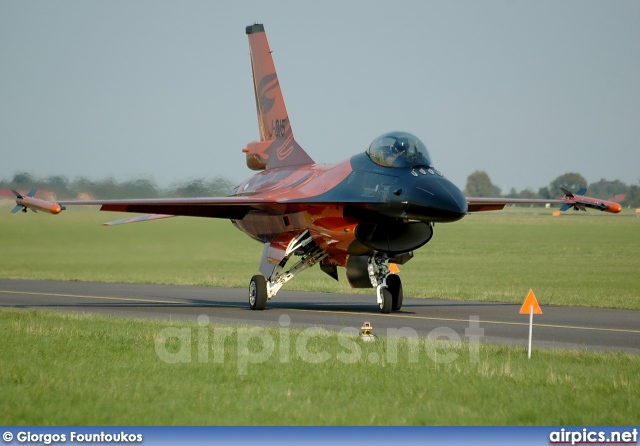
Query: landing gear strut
point(388, 286)
point(262, 289)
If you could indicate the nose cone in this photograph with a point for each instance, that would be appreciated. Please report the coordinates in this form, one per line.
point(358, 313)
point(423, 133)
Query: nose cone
point(436, 199)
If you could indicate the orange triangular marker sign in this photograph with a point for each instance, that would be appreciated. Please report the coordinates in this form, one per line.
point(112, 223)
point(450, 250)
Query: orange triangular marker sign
point(528, 302)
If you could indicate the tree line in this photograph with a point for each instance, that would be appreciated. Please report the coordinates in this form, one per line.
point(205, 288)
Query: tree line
point(479, 185)
point(110, 188)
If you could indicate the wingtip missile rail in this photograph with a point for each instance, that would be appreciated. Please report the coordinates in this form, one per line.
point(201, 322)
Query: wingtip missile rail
point(35, 204)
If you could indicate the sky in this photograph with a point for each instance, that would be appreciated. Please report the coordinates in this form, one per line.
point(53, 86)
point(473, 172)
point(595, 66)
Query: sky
point(525, 91)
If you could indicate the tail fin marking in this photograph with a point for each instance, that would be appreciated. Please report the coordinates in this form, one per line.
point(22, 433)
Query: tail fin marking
point(277, 146)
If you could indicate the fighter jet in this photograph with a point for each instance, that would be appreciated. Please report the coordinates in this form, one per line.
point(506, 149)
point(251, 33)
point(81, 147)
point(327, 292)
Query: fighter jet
point(366, 214)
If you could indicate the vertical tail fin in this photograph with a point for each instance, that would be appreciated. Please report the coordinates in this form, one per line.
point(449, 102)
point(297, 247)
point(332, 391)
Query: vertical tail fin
point(277, 146)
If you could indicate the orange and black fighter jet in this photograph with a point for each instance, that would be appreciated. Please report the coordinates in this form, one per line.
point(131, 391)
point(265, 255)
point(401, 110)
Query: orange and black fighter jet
point(364, 214)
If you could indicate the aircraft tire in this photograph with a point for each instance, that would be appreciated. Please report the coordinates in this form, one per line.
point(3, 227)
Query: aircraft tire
point(394, 284)
point(257, 293)
point(387, 300)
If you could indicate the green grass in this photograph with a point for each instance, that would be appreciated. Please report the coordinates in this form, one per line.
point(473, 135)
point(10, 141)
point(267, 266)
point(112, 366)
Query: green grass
point(588, 259)
point(71, 369)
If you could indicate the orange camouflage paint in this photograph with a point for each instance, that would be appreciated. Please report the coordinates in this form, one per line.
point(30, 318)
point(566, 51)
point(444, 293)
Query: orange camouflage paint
point(277, 146)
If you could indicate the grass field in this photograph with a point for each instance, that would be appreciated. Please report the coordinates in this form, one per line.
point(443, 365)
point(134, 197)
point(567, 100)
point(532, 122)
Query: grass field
point(71, 369)
point(590, 259)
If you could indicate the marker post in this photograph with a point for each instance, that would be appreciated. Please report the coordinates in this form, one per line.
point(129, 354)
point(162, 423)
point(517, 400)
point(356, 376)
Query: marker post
point(530, 330)
point(530, 306)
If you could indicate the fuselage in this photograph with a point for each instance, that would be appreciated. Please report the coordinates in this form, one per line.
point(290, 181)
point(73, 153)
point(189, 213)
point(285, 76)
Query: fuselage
point(340, 203)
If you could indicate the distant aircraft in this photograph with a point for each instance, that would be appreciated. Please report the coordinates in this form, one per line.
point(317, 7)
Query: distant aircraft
point(366, 214)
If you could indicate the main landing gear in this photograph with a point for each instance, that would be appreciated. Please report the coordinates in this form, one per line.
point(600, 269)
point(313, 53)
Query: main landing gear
point(388, 286)
point(262, 289)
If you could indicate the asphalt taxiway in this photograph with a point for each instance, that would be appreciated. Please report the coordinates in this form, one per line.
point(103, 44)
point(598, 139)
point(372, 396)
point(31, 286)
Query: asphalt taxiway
point(500, 323)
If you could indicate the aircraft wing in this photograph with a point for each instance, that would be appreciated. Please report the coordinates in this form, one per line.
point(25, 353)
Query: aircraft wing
point(212, 207)
point(481, 204)
point(234, 207)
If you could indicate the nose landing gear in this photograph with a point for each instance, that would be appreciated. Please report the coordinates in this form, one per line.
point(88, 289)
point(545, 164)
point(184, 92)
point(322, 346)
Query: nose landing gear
point(388, 286)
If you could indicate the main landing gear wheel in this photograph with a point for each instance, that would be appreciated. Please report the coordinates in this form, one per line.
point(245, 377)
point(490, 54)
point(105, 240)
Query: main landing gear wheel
point(386, 300)
point(257, 293)
point(394, 285)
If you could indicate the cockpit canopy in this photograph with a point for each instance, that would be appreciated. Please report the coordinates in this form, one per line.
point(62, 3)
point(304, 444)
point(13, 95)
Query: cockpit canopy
point(399, 149)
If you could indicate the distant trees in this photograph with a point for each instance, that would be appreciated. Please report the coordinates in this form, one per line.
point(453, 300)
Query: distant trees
point(571, 181)
point(200, 187)
point(23, 178)
point(608, 189)
point(479, 185)
point(544, 192)
point(109, 188)
point(525, 193)
point(60, 184)
point(633, 196)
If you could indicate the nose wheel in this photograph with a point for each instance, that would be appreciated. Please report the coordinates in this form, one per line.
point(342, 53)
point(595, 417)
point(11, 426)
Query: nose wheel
point(394, 285)
point(388, 286)
point(389, 294)
point(385, 299)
